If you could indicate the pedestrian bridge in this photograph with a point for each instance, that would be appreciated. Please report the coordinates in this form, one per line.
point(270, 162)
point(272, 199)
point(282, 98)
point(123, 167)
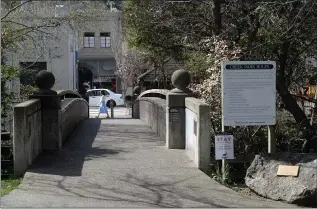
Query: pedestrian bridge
point(156, 158)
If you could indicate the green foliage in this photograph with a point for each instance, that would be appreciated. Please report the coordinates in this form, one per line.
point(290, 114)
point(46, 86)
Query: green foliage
point(289, 136)
point(6, 36)
point(260, 29)
point(196, 63)
point(7, 185)
point(8, 73)
point(145, 30)
point(223, 178)
point(26, 91)
point(160, 26)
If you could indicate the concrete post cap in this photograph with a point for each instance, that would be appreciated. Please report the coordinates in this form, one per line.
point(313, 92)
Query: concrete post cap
point(45, 80)
point(137, 90)
point(181, 79)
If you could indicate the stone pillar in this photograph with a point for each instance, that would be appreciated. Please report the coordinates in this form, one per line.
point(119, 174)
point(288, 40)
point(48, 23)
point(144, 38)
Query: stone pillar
point(51, 111)
point(175, 110)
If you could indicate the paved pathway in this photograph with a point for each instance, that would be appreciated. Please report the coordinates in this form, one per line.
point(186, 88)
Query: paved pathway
point(119, 112)
point(121, 163)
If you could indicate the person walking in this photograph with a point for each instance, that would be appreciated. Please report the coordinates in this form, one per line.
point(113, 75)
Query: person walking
point(102, 104)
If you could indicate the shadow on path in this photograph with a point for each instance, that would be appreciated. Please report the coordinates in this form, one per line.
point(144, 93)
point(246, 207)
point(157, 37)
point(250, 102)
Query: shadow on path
point(70, 159)
point(121, 163)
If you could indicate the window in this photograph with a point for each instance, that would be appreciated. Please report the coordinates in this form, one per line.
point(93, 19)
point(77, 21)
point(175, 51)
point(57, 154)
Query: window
point(106, 92)
point(89, 40)
point(94, 93)
point(105, 40)
point(97, 93)
point(22, 7)
point(28, 76)
point(59, 10)
point(90, 93)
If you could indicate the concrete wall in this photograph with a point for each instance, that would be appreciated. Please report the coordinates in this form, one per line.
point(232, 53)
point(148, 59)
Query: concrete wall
point(58, 48)
point(128, 90)
point(31, 134)
point(153, 113)
point(198, 132)
point(14, 87)
point(98, 27)
point(58, 53)
point(74, 110)
point(101, 60)
point(61, 60)
point(27, 134)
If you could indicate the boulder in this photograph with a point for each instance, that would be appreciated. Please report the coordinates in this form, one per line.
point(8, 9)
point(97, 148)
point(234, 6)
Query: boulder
point(261, 177)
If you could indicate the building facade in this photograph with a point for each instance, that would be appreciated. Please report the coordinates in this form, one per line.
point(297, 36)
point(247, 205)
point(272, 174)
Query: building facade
point(73, 55)
point(96, 56)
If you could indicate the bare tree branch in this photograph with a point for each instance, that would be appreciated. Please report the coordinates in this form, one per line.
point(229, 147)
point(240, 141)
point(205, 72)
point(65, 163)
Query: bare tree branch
point(15, 8)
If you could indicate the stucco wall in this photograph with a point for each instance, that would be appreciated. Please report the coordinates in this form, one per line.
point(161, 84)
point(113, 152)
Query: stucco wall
point(27, 134)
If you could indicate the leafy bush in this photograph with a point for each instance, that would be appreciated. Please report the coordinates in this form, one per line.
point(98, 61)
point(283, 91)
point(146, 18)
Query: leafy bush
point(8, 73)
point(26, 91)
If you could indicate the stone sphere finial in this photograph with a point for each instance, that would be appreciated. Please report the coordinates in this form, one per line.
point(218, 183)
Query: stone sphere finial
point(181, 79)
point(137, 90)
point(45, 80)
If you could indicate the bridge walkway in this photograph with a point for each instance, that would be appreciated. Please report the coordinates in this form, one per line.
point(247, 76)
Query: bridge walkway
point(121, 163)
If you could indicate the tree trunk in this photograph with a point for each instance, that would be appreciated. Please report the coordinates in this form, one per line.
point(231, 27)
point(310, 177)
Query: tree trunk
point(217, 16)
point(300, 117)
point(291, 104)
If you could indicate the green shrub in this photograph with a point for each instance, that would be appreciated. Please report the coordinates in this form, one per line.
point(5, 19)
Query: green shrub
point(8, 73)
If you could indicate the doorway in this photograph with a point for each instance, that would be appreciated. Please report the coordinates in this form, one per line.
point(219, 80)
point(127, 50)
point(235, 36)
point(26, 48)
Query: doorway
point(84, 76)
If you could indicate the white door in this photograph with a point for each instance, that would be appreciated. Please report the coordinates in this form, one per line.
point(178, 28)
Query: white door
point(94, 97)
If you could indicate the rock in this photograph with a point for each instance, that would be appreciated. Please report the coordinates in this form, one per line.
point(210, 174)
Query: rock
point(261, 177)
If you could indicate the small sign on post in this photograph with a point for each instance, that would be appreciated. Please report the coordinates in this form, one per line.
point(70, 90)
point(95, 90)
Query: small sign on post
point(173, 115)
point(224, 147)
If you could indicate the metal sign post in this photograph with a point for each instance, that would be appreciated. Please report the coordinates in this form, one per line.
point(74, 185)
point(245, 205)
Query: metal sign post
point(111, 108)
point(249, 96)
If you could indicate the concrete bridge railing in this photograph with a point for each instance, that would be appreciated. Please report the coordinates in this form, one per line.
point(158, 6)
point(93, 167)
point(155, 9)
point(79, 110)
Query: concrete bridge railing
point(181, 120)
point(152, 111)
point(74, 109)
point(45, 121)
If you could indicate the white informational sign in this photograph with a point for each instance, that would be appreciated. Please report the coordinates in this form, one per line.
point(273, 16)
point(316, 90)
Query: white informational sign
point(248, 93)
point(224, 148)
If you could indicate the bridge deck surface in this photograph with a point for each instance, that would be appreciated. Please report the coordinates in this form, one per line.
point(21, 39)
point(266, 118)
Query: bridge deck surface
point(121, 163)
